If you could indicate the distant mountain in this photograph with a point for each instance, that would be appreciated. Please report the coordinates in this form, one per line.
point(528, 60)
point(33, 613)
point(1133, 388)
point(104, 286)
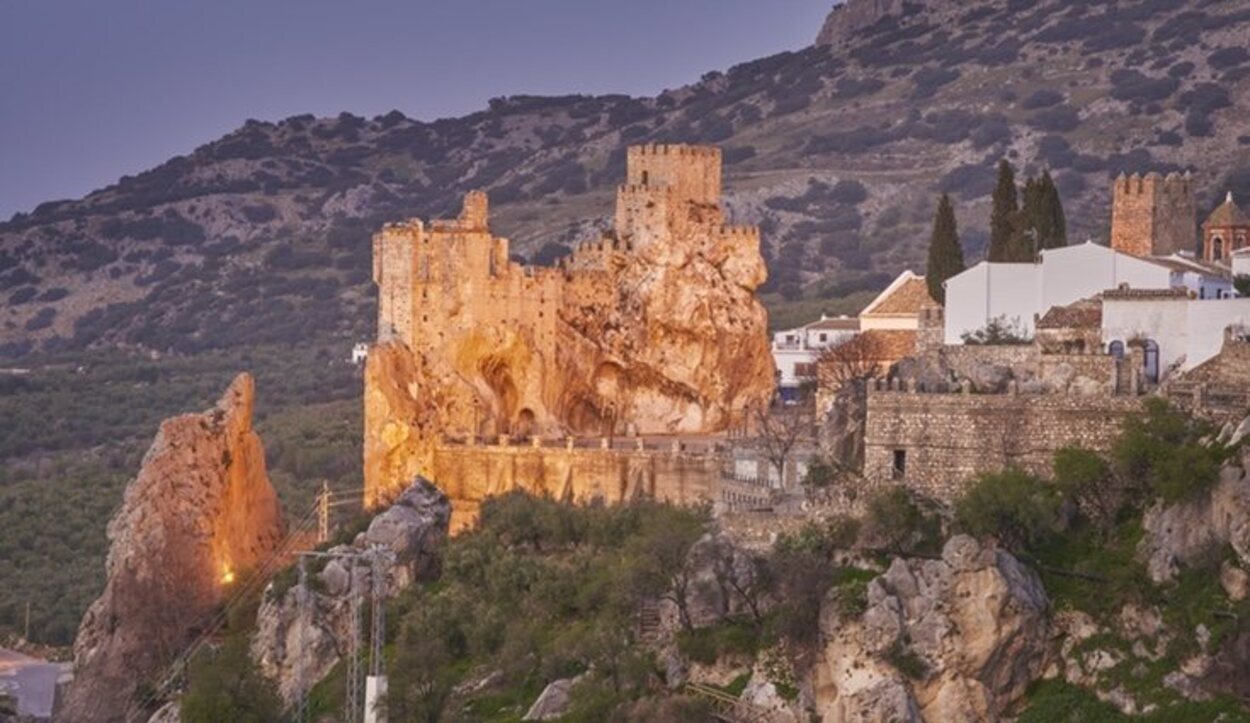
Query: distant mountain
point(837, 150)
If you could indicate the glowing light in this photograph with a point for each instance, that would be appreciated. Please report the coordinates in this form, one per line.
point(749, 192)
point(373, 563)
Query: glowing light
point(227, 576)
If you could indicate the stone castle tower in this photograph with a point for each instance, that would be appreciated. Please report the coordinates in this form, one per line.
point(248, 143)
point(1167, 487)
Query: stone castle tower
point(1153, 215)
point(654, 327)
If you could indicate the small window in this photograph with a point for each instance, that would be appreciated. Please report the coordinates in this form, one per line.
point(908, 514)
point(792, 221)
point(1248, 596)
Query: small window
point(899, 469)
point(824, 337)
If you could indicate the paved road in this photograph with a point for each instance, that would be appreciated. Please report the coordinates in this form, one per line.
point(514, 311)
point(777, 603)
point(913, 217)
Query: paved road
point(31, 680)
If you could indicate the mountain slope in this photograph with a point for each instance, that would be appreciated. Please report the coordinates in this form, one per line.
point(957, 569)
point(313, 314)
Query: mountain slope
point(836, 150)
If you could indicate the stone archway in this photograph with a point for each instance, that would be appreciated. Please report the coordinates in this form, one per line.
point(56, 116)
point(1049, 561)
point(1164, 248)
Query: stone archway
point(525, 425)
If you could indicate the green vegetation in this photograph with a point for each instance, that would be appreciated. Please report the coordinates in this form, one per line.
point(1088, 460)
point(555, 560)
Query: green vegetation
point(997, 332)
point(946, 256)
point(1161, 454)
point(541, 591)
point(1003, 215)
point(77, 426)
point(1055, 700)
point(1013, 507)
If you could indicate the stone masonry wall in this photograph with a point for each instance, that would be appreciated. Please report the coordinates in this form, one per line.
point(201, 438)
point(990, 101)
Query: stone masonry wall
point(949, 438)
point(1153, 215)
point(470, 474)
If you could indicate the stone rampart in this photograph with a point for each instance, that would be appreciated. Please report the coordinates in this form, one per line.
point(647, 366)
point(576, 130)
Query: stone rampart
point(575, 472)
point(935, 442)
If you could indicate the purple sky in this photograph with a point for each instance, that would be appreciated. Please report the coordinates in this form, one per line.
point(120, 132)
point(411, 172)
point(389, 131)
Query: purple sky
point(94, 89)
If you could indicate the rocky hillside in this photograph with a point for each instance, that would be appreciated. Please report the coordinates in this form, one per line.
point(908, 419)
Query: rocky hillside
point(836, 150)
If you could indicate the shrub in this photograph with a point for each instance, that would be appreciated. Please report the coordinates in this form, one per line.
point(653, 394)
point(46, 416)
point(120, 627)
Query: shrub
point(1225, 58)
point(1161, 453)
point(259, 213)
point(1132, 85)
point(928, 79)
point(1085, 478)
point(42, 320)
point(1059, 119)
point(896, 522)
point(1043, 98)
point(999, 331)
point(1013, 507)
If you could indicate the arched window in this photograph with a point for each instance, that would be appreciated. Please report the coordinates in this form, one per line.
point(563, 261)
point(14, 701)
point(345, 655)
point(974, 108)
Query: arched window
point(1116, 349)
point(1150, 361)
point(1217, 248)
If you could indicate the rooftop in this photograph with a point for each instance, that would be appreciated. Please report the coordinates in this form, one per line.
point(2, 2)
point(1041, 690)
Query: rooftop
point(905, 296)
point(1227, 214)
point(1083, 314)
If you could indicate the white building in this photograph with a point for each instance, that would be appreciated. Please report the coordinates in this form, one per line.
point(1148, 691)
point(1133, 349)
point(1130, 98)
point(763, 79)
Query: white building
point(1018, 293)
point(360, 352)
point(1176, 332)
point(795, 350)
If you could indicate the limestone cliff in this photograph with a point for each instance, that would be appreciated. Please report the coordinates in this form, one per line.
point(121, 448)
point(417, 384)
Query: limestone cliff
point(199, 514)
point(414, 529)
point(849, 17)
point(955, 639)
point(654, 328)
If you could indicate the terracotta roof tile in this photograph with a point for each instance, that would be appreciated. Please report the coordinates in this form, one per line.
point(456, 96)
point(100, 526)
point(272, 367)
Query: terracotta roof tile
point(1228, 214)
point(890, 345)
point(1083, 314)
point(908, 298)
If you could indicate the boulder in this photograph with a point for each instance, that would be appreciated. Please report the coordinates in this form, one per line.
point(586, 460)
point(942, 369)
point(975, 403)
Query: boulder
point(412, 530)
point(200, 511)
point(971, 629)
point(1186, 532)
point(554, 701)
point(988, 378)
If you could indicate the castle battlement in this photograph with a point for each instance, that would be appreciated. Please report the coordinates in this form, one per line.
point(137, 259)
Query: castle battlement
point(675, 149)
point(1174, 183)
point(740, 232)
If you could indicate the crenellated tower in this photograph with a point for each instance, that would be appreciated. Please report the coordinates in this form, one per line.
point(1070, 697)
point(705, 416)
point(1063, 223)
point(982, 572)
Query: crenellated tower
point(1153, 215)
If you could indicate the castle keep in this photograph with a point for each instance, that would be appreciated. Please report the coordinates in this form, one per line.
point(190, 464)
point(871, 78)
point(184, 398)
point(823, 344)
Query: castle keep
point(653, 328)
point(1153, 215)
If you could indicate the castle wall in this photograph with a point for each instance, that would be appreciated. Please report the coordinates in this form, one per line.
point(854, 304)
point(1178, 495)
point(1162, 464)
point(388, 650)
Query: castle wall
point(947, 439)
point(471, 474)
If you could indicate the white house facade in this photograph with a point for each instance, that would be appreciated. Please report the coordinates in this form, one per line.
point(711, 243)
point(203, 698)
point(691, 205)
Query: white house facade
point(795, 350)
point(1179, 332)
point(1018, 293)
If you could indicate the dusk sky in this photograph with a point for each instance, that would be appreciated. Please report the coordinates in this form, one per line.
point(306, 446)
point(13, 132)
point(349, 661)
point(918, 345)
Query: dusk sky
point(91, 89)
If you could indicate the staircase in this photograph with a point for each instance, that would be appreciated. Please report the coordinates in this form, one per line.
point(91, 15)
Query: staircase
point(728, 709)
point(648, 620)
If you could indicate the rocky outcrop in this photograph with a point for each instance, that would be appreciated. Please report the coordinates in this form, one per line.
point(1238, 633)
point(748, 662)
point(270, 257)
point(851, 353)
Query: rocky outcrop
point(412, 530)
point(653, 328)
point(1188, 531)
point(200, 512)
point(554, 701)
point(848, 18)
point(953, 639)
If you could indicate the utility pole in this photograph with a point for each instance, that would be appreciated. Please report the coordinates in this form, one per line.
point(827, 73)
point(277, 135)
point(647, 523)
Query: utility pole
point(352, 704)
point(376, 683)
point(26, 635)
point(304, 610)
point(323, 514)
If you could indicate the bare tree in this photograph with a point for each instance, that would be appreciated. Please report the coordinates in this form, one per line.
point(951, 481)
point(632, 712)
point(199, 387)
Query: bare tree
point(859, 358)
point(780, 429)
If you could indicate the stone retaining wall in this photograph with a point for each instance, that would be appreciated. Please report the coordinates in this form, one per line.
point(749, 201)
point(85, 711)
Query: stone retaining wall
point(943, 440)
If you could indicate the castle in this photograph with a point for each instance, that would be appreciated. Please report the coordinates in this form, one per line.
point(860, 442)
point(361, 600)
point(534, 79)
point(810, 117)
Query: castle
point(1153, 215)
point(653, 328)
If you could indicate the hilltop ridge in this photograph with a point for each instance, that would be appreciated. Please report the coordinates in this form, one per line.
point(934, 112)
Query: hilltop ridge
point(835, 150)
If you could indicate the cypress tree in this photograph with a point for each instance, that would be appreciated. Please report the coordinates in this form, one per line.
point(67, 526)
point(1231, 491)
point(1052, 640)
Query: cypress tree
point(946, 255)
point(1055, 219)
point(1003, 217)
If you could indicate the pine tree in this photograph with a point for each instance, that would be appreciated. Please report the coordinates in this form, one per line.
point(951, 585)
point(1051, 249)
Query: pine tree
point(946, 255)
point(1003, 217)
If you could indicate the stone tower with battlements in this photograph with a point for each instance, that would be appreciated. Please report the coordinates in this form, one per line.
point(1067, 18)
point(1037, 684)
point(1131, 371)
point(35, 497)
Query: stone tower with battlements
point(1153, 215)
